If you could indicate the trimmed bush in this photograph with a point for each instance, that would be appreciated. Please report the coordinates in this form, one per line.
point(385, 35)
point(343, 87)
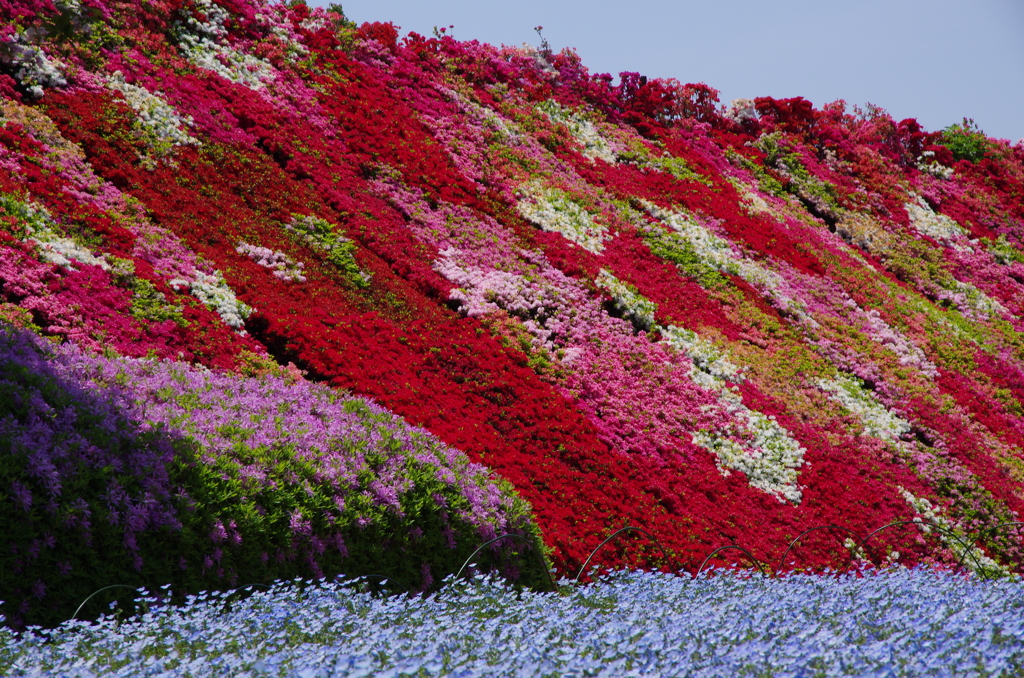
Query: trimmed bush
point(143, 472)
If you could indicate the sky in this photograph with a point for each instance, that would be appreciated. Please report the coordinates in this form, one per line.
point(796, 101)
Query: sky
point(935, 60)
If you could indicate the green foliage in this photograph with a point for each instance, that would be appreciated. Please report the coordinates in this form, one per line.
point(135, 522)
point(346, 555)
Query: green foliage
point(638, 154)
point(341, 21)
point(41, 543)
point(1003, 250)
point(966, 141)
point(812, 190)
point(21, 219)
point(766, 182)
point(673, 247)
point(678, 168)
point(148, 303)
point(337, 249)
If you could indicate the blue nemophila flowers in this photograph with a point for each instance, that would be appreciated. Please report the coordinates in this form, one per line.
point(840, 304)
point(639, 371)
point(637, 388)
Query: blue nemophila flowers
point(898, 622)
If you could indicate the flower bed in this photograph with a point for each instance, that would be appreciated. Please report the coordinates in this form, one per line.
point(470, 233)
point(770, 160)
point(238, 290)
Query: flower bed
point(636, 305)
point(897, 622)
point(129, 471)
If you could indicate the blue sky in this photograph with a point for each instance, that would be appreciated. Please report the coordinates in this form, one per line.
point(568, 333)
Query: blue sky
point(935, 60)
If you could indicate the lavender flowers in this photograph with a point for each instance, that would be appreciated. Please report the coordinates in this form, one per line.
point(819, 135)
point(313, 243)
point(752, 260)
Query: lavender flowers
point(141, 472)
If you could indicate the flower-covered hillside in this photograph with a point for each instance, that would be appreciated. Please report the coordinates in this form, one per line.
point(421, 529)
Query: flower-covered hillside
point(721, 324)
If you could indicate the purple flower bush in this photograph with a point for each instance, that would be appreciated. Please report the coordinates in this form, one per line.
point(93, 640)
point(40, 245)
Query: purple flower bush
point(897, 622)
point(129, 471)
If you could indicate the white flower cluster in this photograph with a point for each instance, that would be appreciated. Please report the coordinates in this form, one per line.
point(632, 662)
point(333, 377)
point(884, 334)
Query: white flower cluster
point(281, 264)
point(277, 23)
point(628, 300)
point(204, 43)
point(972, 302)
point(936, 169)
point(552, 311)
point(958, 542)
point(715, 251)
point(582, 130)
point(877, 420)
point(709, 247)
point(50, 247)
point(711, 367)
point(926, 221)
point(215, 294)
point(741, 110)
point(554, 210)
point(314, 23)
point(751, 202)
point(55, 249)
point(969, 300)
point(155, 114)
point(770, 457)
point(719, 253)
point(31, 67)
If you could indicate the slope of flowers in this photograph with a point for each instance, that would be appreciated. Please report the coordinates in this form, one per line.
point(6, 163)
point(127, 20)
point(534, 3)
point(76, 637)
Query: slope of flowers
point(722, 324)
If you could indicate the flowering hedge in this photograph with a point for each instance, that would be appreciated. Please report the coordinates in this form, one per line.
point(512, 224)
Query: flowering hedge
point(724, 324)
point(129, 471)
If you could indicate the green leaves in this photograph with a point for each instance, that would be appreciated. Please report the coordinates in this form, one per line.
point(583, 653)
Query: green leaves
point(337, 249)
point(965, 140)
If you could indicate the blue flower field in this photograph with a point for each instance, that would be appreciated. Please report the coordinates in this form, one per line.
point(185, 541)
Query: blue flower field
point(897, 622)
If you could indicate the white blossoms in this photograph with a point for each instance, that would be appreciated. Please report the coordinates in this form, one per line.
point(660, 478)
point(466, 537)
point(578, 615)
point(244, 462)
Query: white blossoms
point(214, 292)
point(30, 65)
point(283, 267)
point(55, 249)
point(556, 211)
point(952, 535)
point(716, 252)
point(742, 110)
point(211, 289)
point(719, 254)
point(582, 130)
point(877, 421)
point(771, 458)
point(769, 455)
point(932, 167)
point(711, 367)
point(51, 248)
point(888, 337)
point(926, 221)
point(155, 115)
point(629, 302)
point(205, 44)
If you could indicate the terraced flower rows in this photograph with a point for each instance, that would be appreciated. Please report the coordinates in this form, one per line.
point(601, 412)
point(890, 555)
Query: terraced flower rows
point(723, 324)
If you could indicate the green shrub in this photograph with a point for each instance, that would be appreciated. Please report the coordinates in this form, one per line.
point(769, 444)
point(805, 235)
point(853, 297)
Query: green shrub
point(146, 473)
point(965, 141)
